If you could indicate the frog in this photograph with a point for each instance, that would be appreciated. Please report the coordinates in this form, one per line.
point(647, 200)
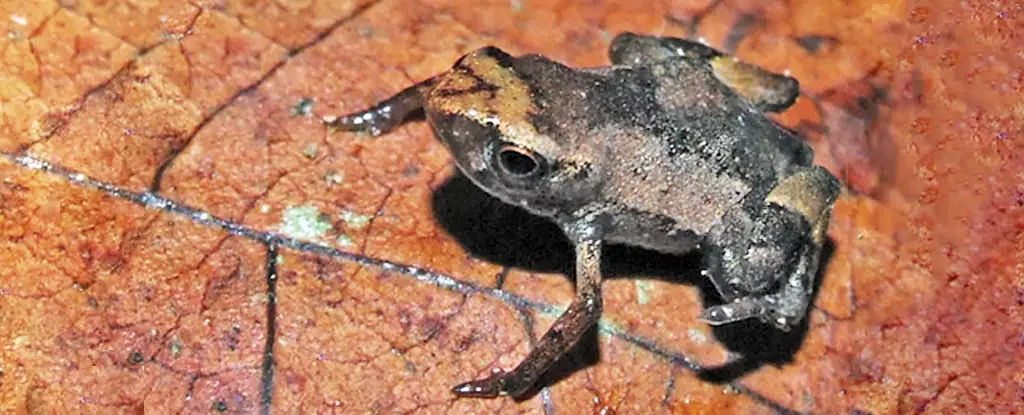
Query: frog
point(669, 148)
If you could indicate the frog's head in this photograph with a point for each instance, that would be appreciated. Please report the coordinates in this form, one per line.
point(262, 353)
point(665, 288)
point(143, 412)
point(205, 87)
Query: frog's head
point(484, 113)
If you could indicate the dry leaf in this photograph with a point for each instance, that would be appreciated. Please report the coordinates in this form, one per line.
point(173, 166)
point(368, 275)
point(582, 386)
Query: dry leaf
point(180, 233)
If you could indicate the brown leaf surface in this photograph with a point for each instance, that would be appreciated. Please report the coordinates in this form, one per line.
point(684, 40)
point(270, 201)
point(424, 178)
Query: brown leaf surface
point(201, 242)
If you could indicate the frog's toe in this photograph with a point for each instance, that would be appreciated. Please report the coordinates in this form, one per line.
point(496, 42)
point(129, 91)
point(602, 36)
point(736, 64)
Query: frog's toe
point(741, 309)
point(779, 312)
point(488, 387)
point(476, 389)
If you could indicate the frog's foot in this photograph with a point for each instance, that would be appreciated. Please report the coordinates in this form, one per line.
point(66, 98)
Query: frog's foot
point(764, 263)
point(489, 387)
point(783, 309)
point(740, 309)
point(581, 315)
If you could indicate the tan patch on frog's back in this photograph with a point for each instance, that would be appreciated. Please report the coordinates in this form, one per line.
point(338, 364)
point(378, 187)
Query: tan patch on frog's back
point(483, 90)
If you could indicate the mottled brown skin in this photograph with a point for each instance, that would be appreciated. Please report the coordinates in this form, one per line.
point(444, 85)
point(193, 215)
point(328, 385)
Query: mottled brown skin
point(666, 149)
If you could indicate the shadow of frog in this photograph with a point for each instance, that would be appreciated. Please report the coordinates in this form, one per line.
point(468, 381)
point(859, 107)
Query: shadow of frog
point(507, 235)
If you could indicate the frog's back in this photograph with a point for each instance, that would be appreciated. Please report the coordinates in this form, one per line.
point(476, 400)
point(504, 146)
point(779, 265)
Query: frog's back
point(703, 149)
point(681, 147)
point(713, 124)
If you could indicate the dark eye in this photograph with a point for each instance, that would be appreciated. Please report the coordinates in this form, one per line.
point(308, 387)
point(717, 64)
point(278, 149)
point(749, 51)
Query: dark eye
point(519, 162)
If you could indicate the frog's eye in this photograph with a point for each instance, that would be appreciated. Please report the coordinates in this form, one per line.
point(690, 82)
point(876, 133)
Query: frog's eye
point(519, 162)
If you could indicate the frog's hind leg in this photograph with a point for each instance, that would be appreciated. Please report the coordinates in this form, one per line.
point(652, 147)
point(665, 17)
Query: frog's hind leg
point(387, 114)
point(630, 49)
point(765, 90)
point(764, 263)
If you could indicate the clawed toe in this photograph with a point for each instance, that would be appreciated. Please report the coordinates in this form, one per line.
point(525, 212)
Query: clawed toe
point(488, 387)
point(763, 308)
point(741, 309)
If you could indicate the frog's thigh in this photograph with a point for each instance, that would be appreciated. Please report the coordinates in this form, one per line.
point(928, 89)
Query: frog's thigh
point(763, 89)
point(768, 91)
point(785, 237)
point(632, 49)
point(810, 193)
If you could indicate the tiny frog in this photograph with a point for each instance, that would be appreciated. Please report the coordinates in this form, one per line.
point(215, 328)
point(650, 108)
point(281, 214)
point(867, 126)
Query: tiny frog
point(666, 149)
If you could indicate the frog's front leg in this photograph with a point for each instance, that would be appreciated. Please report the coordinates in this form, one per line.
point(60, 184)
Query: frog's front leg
point(764, 263)
point(387, 114)
point(582, 314)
